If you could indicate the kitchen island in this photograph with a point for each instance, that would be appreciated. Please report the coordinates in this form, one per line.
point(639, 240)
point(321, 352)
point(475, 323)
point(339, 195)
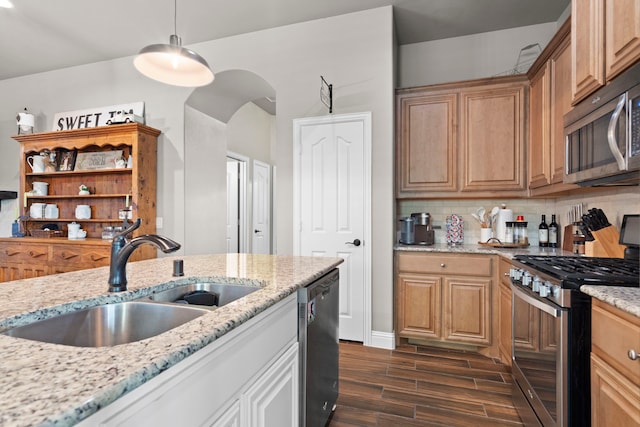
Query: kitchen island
point(48, 384)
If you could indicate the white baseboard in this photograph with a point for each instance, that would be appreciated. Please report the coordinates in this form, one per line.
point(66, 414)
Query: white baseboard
point(386, 340)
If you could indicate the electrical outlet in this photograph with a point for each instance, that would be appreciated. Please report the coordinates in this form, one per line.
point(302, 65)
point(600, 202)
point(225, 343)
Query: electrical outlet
point(159, 222)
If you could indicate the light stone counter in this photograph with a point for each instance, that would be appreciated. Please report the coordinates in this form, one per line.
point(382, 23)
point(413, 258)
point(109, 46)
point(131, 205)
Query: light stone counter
point(45, 384)
point(626, 299)
point(479, 249)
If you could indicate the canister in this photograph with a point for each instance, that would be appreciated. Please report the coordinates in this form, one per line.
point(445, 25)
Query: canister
point(407, 235)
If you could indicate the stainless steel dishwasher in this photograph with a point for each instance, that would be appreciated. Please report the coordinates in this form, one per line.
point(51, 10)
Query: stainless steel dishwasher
point(318, 337)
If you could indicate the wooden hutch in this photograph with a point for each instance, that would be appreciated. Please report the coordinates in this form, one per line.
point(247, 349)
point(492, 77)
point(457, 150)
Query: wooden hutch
point(111, 189)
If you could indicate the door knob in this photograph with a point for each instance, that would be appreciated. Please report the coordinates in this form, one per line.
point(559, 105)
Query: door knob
point(356, 242)
point(257, 231)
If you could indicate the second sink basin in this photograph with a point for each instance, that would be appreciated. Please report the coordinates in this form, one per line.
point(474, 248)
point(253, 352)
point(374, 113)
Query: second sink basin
point(224, 292)
point(108, 325)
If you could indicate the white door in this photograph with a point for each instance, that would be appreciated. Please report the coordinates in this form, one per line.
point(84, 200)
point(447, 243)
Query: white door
point(332, 210)
point(261, 243)
point(233, 203)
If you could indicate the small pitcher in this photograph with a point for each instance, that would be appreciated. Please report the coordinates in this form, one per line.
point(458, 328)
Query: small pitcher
point(37, 163)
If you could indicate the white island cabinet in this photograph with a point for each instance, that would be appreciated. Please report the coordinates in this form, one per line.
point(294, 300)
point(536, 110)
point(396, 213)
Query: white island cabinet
point(248, 377)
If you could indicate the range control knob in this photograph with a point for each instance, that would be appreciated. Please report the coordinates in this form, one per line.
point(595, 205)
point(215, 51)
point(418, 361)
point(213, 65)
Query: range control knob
point(535, 286)
point(544, 290)
point(555, 290)
point(526, 279)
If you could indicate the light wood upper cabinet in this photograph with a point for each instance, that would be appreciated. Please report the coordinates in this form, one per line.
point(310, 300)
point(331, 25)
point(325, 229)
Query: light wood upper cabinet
point(492, 135)
point(426, 142)
point(464, 139)
point(549, 101)
point(605, 40)
point(622, 35)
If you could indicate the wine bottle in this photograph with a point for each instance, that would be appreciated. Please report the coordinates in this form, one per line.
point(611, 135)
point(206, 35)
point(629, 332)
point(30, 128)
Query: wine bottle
point(553, 232)
point(543, 233)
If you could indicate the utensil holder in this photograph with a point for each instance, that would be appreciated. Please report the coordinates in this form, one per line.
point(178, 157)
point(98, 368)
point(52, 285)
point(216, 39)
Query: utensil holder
point(605, 244)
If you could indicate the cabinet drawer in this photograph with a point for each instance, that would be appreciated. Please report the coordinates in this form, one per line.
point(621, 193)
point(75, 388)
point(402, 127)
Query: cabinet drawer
point(504, 268)
point(473, 265)
point(614, 333)
point(24, 253)
point(84, 256)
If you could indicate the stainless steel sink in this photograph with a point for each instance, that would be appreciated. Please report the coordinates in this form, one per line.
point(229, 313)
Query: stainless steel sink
point(108, 325)
point(225, 293)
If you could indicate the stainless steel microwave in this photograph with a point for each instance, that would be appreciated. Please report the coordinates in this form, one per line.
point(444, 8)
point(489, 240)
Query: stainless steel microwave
point(602, 135)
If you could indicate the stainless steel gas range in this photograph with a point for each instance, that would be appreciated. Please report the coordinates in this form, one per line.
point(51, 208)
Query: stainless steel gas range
point(552, 334)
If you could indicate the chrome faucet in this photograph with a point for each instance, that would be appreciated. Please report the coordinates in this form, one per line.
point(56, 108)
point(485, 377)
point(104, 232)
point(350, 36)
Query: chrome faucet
point(122, 248)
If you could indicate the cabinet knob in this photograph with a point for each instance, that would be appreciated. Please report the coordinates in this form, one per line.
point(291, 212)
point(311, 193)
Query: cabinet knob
point(507, 274)
point(632, 354)
point(443, 265)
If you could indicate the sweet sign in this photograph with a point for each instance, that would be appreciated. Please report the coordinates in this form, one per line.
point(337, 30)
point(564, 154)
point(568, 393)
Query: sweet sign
point(94, 117)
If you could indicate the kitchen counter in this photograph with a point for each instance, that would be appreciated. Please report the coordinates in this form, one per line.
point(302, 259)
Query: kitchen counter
point(626, 299)
point(48, 384)
point(479, 249)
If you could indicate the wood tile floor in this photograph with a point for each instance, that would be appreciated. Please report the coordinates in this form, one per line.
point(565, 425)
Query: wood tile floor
point(421, 386)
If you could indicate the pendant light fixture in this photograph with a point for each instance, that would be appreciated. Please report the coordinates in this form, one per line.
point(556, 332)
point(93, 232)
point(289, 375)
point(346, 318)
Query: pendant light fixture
point(173, 64)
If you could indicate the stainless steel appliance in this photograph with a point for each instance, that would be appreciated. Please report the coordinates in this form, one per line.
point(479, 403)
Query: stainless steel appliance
point(603, 135)
point(552, 334)
point(424, 234)
point(407, 231)
point(318, 313)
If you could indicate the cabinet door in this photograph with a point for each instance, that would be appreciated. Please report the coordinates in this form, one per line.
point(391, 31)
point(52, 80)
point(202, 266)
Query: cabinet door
point(539, 155)
point(272, 401)
point(560, 86)
point(230, 417)
point(615, 401)
point(622, 36)
point(418, 311)
point(467, 310)
point(504, 316)
point(426, 148)
point(492, 135)
point(587, 47)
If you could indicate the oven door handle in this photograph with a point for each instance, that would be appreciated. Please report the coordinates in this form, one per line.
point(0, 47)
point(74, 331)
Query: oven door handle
point(547, 308)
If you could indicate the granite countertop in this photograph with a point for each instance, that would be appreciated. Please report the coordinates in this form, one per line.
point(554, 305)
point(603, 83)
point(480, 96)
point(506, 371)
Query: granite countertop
point(626, 299)
point(479, 249)
point(47, 384)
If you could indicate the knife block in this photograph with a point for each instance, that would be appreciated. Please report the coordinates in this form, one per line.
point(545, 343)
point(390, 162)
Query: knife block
point(605, 244)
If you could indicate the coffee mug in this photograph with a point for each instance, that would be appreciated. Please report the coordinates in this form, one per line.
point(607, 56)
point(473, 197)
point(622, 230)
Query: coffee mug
point(36, 162)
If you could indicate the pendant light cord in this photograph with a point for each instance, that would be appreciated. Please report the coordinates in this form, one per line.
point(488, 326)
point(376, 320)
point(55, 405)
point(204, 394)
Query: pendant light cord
point(175, 17)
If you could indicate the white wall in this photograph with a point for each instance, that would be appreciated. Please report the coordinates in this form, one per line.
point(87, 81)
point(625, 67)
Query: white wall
point(205, 194)
point(250, 132)
point(354, 52)
point(468, 57)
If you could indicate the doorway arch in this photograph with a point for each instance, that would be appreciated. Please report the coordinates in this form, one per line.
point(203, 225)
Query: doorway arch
point(209, 124)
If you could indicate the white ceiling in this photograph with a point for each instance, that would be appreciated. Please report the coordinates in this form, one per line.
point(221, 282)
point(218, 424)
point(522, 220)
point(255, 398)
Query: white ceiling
point(41, 35)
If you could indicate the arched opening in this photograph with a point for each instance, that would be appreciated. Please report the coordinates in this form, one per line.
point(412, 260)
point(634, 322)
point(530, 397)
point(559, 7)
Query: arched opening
point(229, 135)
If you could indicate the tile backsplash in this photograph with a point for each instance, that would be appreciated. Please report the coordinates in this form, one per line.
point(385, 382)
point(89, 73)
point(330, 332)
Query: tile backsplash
point(614, 202)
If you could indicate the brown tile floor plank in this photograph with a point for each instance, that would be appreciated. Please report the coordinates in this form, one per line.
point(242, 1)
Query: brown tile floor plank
point(418, 386)
point(434, 401)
